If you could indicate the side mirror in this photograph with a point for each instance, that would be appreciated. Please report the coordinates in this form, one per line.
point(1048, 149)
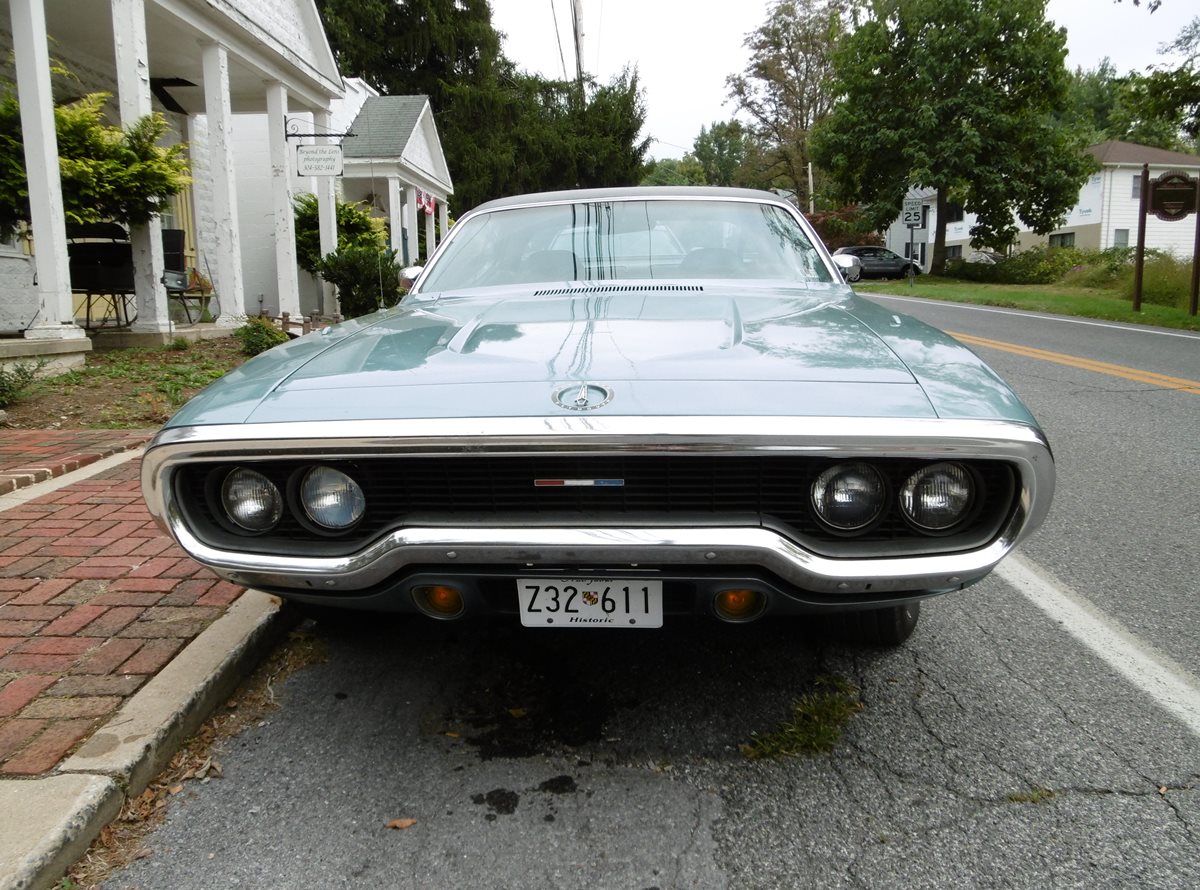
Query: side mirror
point(409, 275)
point(850, 265)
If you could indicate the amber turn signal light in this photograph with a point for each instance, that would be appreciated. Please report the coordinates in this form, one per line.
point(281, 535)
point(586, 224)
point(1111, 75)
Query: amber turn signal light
point(739, 604)
point(439, 600)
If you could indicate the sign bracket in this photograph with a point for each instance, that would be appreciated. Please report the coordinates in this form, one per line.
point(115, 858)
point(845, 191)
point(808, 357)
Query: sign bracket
point(291, 130)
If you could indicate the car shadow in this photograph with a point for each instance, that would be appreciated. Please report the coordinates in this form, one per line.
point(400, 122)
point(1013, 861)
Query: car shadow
point(693, 688)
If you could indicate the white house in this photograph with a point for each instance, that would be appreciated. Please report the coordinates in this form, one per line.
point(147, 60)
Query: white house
point(199, 63)
point(391, 154)
point(1106, 214)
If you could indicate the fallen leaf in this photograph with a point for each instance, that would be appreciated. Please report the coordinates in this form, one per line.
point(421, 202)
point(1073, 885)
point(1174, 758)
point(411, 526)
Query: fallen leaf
point(401, 824)
point(518, 712)
point(452, 734)
point(174, 789)
point(1163, 790)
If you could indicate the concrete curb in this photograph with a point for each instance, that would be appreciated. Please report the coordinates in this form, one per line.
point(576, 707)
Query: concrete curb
point(46, 824)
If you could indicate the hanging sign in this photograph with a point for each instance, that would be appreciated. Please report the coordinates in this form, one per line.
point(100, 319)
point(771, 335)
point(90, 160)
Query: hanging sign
point(318, 160)
point(1172, 196)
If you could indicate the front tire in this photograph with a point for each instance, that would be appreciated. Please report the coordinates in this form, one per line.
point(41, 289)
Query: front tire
point(888, 626)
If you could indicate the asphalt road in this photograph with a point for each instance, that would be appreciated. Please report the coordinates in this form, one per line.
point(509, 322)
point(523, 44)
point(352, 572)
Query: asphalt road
point(589, 759)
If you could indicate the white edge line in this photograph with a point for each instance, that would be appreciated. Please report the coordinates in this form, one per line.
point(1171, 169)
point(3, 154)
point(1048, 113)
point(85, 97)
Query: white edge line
point(22, 496)
point(1137, 329)
point(1168, 683)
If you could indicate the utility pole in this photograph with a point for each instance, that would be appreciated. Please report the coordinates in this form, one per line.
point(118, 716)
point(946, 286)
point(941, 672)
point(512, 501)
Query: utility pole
point(577, 21)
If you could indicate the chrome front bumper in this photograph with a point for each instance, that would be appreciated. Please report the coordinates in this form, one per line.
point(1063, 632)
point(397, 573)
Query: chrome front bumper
point(606, 547)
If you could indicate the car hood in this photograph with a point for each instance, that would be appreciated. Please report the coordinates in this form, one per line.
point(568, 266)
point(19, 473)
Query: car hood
point(656, 349)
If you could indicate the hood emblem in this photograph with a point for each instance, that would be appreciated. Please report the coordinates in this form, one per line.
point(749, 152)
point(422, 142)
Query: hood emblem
point(583, 396)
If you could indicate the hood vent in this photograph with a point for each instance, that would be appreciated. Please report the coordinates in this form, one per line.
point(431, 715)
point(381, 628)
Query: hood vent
point(617, 289)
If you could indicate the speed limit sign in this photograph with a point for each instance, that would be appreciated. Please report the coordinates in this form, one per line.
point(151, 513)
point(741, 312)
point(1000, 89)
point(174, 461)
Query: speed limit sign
point(912, 213)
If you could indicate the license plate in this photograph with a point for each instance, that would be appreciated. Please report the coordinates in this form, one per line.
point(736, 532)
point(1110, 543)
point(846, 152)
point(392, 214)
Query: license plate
point(590, 602)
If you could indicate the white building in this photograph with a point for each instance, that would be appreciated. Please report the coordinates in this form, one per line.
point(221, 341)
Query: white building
point(392, 154)
point(1105, 215)
point(199, 63)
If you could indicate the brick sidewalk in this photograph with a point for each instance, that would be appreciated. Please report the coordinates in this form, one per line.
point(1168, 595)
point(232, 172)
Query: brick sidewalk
point(29, 456)
point(94, 600)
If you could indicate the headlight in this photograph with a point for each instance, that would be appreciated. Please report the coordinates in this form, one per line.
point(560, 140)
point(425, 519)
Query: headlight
point(331, 498)
point(251, 500)
point(849, 497)
point(937, 497)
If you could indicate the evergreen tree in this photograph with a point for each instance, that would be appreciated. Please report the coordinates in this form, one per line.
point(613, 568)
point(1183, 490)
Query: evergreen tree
point(503, 131)
point(721, 151)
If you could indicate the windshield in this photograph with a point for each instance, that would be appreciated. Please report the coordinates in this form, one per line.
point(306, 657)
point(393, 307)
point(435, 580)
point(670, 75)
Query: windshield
point(622, 240)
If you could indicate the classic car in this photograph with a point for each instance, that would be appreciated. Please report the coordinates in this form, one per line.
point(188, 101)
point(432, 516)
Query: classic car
point(612, 409)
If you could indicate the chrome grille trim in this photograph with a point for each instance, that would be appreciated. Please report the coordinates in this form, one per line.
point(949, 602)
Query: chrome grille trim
point(1018, 443)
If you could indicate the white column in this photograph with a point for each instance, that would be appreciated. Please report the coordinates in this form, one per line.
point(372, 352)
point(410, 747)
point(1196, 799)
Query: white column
point(430, 237)
point(229, 286)
point(133, 93)
point(56, 311)
point(281, 192)
point(443, 219)
point(410, 226)
point(326, 210)
point(395, 206)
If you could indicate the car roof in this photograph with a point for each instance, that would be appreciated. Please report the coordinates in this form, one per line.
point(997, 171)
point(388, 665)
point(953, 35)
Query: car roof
point(628, 193)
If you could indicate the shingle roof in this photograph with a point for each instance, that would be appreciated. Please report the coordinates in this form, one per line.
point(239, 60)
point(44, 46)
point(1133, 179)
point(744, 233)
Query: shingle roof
point(1117, 152)
point(383, 126)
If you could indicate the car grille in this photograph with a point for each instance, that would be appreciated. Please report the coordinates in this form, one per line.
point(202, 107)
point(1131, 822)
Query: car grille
point(658, 488)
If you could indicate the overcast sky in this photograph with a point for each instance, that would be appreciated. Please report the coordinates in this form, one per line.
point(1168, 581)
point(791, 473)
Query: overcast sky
point(684, 49)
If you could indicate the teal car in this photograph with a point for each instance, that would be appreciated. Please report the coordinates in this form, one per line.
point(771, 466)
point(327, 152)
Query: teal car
point(613, 409)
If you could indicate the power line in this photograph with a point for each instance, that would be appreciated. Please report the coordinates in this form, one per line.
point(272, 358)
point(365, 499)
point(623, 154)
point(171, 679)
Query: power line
point(558, 36)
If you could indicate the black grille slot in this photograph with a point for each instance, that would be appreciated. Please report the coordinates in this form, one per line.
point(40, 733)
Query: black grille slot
point(657, 488)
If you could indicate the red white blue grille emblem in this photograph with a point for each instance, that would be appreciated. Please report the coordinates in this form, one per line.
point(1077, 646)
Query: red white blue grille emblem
point(577, 483)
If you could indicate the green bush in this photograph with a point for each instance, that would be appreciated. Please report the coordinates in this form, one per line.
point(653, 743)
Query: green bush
point(14, 379)
point(355, 228)
point(1166, 280)
point(108, 173)
point(1038, 265)
point(367, 279)
point(258, 334)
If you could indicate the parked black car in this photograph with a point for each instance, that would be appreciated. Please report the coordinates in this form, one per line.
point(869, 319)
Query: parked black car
point(879, 262)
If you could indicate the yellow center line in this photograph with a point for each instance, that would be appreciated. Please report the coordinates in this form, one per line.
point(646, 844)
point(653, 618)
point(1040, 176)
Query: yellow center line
point(1086, 364)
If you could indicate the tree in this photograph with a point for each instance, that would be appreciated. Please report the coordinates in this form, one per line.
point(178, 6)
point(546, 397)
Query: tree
point(721, 151)
point(786, 88)
point(956, 95)
point(844, 227)
point(673, 171)
point(421, 47)
point(1173, 94)
point(1108, 106)
point(503, 131)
